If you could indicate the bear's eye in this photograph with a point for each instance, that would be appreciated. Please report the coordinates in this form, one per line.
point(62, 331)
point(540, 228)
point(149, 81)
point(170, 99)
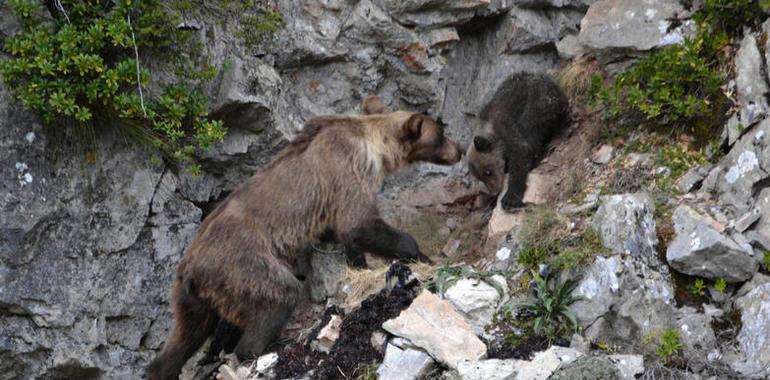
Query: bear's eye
point(488, 173)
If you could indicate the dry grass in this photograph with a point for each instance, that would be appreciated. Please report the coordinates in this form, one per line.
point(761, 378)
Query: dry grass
point(575, 79)
point(365, 282)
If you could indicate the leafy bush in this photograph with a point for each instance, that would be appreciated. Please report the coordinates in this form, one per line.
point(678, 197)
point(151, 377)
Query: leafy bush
point(550, 305)
point(80, 67)
point(579, 251)
point(675, 87)
point(539, 236)
point(699, 287)
point(669, 345)
point(544, 238)
point(678, 87)
point(256, 20)
point(766, 259)
point(532, 256)
point(679, 157)
point(729, 16)
point(720, 285)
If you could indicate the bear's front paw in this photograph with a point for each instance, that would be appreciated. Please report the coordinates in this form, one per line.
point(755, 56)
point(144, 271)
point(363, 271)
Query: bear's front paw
point(511, 202)
point(425, 259)
point(408, 249)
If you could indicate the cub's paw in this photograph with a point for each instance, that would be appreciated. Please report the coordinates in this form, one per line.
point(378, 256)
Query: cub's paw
point(511, 202)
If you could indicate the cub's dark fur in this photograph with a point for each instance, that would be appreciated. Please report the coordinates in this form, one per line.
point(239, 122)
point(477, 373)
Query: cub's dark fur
point(515, 125)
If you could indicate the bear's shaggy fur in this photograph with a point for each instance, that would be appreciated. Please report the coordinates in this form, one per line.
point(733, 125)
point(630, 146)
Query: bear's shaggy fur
point(242, 265)
point(515, 125)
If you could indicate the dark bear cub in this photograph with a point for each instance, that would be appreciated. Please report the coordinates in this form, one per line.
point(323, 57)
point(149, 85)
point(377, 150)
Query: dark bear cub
point(514, 127)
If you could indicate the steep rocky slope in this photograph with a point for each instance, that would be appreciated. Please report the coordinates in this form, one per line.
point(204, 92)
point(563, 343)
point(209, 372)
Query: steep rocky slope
point(88, 246)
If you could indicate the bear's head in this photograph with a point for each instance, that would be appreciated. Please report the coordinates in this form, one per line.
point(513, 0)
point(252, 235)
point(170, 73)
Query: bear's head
point(423, 135)
point(486, 161)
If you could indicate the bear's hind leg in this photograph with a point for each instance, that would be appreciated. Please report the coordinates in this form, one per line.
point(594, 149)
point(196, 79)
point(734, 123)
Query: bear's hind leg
point(262, 328)
point(193, 323)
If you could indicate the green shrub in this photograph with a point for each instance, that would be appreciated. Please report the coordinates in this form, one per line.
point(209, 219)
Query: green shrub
point(675, 87)
point(578, 252)
point(669, 345)
point(256, 20)
point(550, 305)
point(699, 288)
point(730, 16)
point(79, 68)
point(679, 157)
point(678, 87)
point(540, 235)
point(532, 256)
point(720, 285)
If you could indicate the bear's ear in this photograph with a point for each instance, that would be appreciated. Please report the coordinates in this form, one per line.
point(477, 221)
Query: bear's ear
point(412, 129)
point(481, 144)
point(372, 104)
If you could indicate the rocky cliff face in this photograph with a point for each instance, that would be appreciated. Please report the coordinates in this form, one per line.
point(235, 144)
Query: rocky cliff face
point(89, 245)
point(88, 248)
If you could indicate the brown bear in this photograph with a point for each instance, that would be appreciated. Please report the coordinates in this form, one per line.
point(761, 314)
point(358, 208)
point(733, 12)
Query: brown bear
point(514, 127)
point(242, 264)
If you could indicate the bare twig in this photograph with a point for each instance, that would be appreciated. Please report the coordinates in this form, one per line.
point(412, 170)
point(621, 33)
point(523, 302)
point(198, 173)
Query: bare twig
point(136, 57)
point(61, 9)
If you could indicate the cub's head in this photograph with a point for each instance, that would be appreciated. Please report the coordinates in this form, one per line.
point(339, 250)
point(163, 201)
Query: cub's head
point(486, 162)
point(421, 136)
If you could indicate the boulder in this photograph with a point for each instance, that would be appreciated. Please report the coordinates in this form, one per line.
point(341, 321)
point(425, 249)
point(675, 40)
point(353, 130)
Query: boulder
point(704, 252)
point(588, 368)
point(692, 178)
point(431, 14)
point(546, 362)
point(328, 335)
point(433, 325)
point(491, 369)
point(749, 79)
point(603, 155)
point(569, 47)
point(743, 168)
point(328, 264)
point(266, 362)
point(626, 224)
point(477, 300)
point(539, 368)
point(630, 366)
point(600, 287)
point(753, 340)
point(643, 304)
point(697, 335)
point(404, 364)
point(762, 227)
point(613, 27)
point(528, 29)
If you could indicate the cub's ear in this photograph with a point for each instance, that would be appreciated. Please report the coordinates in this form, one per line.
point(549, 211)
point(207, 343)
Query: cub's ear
point(412, 129)
point(482, 144)
point(372, 104)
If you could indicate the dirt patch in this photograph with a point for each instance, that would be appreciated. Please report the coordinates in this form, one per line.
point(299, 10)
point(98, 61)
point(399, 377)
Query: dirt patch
point(353, 347)
point(567, 152)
